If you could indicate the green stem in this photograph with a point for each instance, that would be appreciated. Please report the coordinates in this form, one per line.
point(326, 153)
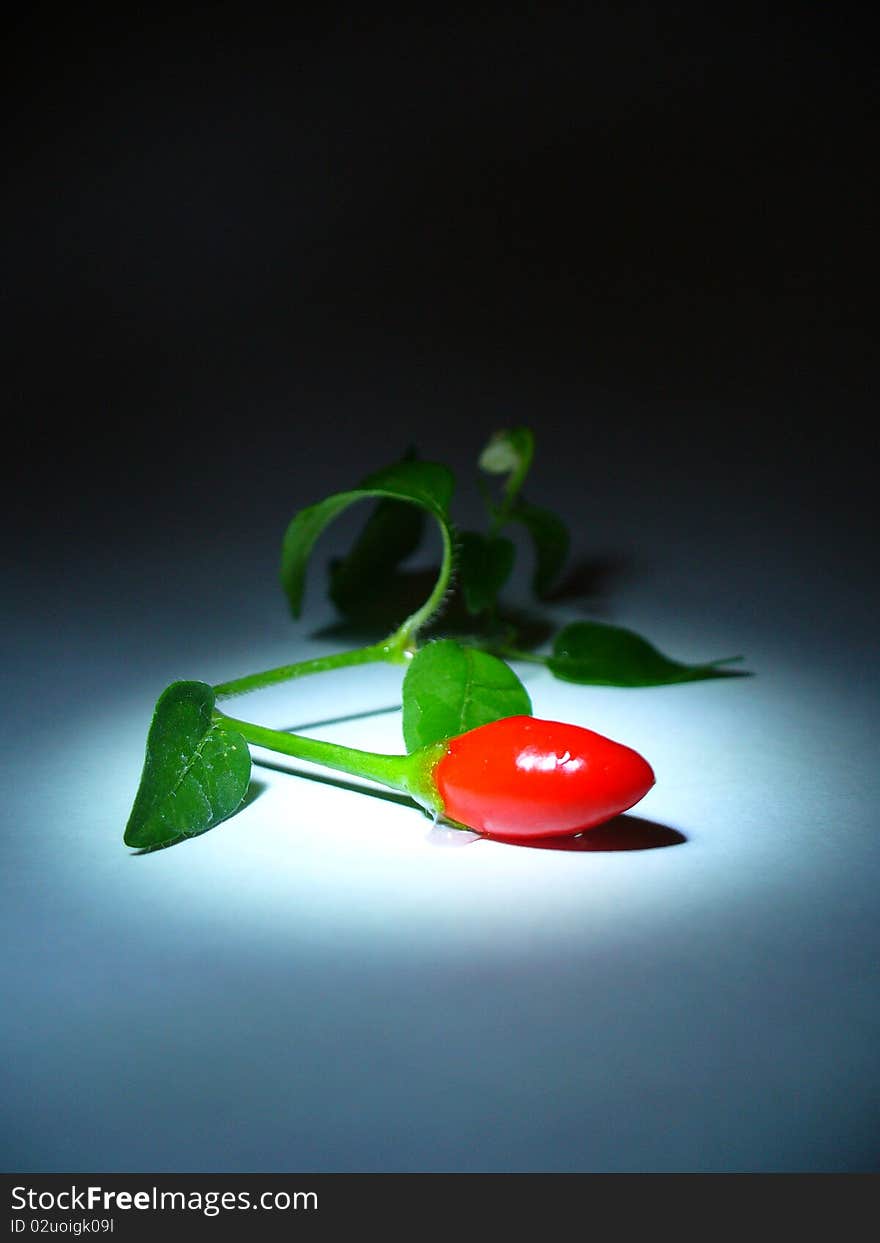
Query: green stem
point(410, 774)
point(397, 649)
point(388, 650)
point(403, 639)
point(515, 481)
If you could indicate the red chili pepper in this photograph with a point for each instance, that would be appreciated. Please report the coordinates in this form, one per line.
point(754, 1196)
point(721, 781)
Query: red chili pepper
point(525, 778)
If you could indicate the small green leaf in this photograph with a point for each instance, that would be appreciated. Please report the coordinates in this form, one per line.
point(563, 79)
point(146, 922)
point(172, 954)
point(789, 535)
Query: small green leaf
point(509, 451)
point(449, 689)
point(484, 565)
point(550, 540)
point(196, 771)
point(426, 484)
point(596, 654)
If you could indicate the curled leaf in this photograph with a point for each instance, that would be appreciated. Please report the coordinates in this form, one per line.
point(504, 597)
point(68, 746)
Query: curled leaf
point(484, 566)
point(550, 540)
point(428, 485)
point(392, 533)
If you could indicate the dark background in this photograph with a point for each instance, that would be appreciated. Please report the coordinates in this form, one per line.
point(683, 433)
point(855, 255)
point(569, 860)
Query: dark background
point(250, 251)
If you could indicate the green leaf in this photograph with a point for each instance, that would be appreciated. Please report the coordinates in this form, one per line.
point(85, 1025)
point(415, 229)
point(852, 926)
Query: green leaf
point(550, 540)
point(449, 689)
point(596, 654)
point(425, 484)
point(392, 533)
point(196, 771)
point(509, 451)
point(484, 565)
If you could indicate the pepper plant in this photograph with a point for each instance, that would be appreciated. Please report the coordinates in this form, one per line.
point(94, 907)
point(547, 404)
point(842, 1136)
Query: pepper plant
point(474, 753)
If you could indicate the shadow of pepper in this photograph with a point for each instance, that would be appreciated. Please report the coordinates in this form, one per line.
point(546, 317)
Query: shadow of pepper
point(622, 833)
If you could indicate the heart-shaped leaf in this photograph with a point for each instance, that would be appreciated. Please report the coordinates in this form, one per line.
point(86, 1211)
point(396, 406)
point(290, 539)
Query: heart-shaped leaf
point(595, 654)
point(196, 771)
point(428, 485)
point(484, 565)
point(550, 540)
point(449, 689)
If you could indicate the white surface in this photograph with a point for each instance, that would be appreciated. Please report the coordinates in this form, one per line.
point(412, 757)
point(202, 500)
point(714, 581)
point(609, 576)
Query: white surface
point(319, 984)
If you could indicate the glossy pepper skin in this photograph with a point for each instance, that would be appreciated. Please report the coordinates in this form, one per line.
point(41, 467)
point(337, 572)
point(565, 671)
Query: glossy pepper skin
point(523, 778)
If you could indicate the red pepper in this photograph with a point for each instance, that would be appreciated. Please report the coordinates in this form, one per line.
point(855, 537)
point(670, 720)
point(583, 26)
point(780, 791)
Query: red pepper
point(525, 778)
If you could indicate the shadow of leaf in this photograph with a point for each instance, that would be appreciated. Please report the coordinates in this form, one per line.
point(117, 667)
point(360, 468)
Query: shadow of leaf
point(527, 628)
point(337, 783)
point(305, 727)
point(254, 791)
point(371, 615)
point(589, 578)
point(393, 596)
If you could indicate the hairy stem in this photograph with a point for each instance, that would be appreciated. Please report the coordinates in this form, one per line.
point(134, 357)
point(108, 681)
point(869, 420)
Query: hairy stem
point(512, 487)
point(397, 649)
point(389, 650)
point(403, 639)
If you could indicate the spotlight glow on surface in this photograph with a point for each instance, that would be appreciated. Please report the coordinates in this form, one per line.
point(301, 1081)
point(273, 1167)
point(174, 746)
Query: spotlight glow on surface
point(324, 970)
